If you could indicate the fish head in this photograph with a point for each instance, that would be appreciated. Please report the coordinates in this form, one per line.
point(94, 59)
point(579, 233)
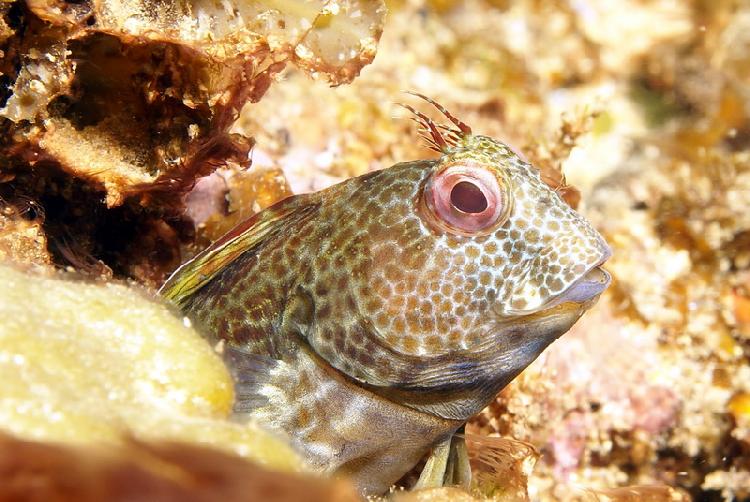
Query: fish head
point(466, 268)
point(483, 198)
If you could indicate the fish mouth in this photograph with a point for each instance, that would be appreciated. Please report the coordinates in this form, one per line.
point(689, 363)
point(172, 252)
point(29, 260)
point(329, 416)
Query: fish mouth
point(587, 288)
point(584, 290)
point(582, 293)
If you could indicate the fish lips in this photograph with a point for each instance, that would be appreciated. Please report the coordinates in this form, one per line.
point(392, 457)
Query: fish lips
point(518, 338)
point(586, 289)
point(583, 292)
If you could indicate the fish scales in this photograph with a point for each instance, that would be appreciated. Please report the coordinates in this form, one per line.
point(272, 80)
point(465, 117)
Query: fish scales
point(370, 320)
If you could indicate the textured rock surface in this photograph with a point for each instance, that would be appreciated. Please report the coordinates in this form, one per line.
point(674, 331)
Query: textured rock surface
point(131, 95)
point(89, 363)
point(124, 104)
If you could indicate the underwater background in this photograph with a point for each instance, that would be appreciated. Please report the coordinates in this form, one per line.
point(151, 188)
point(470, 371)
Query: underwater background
point(126, 134)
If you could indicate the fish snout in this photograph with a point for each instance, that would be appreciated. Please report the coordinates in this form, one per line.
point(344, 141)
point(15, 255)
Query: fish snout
point(549, 283)
point(590, 284)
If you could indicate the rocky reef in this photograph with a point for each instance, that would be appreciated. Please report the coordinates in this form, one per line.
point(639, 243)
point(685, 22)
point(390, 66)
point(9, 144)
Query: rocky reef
point(125, 133)
point(112, 110)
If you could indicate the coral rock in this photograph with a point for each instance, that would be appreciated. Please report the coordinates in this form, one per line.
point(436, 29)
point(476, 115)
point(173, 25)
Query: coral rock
point(137, 97)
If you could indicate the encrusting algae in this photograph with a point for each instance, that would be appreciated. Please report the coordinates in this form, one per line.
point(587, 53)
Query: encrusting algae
point(141, 470)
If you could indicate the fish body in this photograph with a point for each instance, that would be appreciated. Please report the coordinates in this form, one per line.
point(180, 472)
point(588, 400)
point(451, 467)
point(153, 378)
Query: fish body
point(370, 320)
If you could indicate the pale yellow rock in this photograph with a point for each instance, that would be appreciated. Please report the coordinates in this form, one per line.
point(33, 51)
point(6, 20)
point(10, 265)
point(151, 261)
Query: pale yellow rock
point(83, 362)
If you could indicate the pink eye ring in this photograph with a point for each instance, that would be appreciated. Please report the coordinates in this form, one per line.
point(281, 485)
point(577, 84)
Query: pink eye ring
point(467, 199)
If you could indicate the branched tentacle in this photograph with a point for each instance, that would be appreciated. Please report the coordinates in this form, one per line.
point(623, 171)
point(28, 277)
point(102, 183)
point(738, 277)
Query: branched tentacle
point(426, 122)
point(465, 129)
point(438, 136)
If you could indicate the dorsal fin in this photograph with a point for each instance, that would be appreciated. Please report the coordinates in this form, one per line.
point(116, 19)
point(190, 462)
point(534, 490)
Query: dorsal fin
point(196, 273)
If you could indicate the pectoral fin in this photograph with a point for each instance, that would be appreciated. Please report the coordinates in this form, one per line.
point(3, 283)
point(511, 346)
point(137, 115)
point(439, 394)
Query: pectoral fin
point(447, 465)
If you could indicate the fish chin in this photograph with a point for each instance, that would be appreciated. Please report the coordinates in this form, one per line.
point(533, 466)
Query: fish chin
point(518, 340)
point(542, 325)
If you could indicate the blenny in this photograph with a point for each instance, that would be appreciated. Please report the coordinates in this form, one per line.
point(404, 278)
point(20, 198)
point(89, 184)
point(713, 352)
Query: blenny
point(369, 321)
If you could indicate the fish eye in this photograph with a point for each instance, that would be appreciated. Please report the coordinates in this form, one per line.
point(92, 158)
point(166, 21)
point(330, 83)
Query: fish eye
point(467, 199)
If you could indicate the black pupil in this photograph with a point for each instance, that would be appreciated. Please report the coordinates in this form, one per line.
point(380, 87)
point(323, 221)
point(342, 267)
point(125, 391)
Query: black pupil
point(467, 197)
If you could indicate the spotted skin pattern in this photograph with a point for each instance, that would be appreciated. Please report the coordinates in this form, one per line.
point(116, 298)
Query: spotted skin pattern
point(351, 307)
